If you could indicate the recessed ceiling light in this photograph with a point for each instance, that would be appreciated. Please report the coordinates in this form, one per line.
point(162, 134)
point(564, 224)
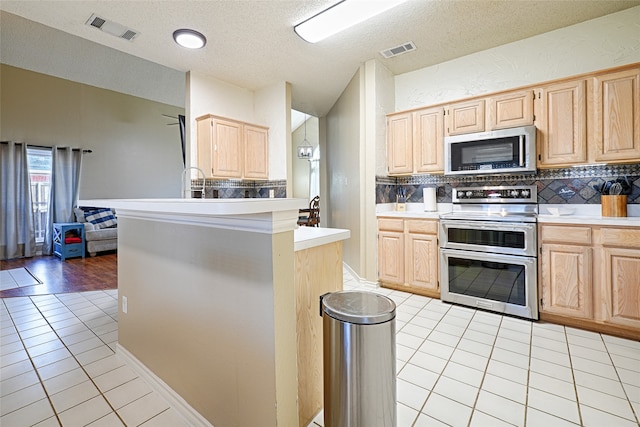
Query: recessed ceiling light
point(190, 39)
point(341, 16)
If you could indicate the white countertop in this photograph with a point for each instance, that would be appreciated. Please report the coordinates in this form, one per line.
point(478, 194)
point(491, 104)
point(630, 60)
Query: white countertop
point(581, 214)
point(589, 215)
point(200, 206)
point(309, 237)
point(413, 210)
point(254, 215)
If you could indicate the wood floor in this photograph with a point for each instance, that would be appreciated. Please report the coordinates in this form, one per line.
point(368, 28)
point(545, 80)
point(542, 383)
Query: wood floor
point(72, 275)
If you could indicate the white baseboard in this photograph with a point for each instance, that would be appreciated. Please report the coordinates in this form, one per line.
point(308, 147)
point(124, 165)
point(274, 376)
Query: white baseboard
point(357, 277)
point(190, 415)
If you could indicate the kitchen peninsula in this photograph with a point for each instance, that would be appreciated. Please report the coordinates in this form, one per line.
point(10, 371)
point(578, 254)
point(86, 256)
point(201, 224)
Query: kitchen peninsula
point(218, 303)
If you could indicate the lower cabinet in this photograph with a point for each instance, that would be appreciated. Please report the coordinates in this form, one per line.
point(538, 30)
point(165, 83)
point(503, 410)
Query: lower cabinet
point(590, 277)
point(408, 255)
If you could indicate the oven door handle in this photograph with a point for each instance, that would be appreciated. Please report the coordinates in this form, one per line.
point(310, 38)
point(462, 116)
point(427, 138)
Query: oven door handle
point(500, 227)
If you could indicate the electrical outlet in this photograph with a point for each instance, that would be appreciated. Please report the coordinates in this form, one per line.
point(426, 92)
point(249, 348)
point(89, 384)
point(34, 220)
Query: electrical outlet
point(272, 193)
point(124, 305)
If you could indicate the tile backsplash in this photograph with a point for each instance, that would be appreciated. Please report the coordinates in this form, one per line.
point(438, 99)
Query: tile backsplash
point(555, 186)
point(238, 189)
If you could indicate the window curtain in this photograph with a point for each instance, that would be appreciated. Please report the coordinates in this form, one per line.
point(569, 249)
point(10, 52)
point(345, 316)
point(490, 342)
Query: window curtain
point(17, 231)
point(65, 184)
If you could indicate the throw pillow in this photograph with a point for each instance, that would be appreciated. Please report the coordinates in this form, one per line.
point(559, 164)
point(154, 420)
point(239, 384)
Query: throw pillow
point(101, 218)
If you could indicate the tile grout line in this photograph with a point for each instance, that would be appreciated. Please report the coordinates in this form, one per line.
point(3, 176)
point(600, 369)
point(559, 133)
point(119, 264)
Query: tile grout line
point(71, 353)
point(35, 369)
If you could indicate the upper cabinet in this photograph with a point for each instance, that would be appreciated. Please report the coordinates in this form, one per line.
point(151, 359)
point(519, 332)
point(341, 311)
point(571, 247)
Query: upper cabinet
point(616, 133)
point(400, 144)
point(587, 119)
point(465, 117)
point(509, 110)
point(561, 119)
point(232, 149)
point(428, 125)
point(415, 142)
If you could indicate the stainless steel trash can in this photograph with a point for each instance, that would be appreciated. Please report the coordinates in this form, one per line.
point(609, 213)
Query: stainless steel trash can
point(359, 353)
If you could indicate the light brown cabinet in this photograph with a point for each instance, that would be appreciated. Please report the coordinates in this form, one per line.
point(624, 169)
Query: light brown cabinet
point(391, 250)
point(590, 277)
point(428, 140)
point(408, 255)
point(561, 119)
point(510, 109)
point(616, 133)
point(400, 144)
point(415, 142)
point(232, 149)
point(621, 281)
point(465, 117)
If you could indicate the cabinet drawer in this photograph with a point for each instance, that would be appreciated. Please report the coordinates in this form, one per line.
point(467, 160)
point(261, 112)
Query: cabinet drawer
point(391, 224)
point(422, 226)
point(621, 237)
point(72, 250)
point(565, 234)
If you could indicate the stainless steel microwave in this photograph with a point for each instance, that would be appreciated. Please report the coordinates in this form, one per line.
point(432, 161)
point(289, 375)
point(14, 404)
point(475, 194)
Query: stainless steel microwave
point(497, 152)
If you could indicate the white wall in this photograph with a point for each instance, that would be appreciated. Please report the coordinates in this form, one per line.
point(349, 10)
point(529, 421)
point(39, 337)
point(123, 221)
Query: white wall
point(601, 43)
point(343, 152)
point(270, 106)
point(36, 47)
point(273, 107)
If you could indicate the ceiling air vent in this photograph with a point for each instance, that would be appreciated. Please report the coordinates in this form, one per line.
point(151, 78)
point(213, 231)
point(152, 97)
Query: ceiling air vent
point(111, 27)
point(398, 50)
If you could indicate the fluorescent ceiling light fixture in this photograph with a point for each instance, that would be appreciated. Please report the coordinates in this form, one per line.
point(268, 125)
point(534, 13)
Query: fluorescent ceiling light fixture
point(341, 16)
point(190, 39)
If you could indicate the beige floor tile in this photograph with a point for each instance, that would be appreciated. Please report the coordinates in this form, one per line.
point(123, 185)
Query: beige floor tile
point(21, 398)
point(18, 382)
point(114, 378)
point(28, 415)
point(86, 412)
point(143, 409)
point(73, 396)
point(127, 393)
point(65, 381)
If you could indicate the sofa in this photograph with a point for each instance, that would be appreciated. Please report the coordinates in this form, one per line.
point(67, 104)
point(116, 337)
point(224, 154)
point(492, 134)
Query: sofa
point(100, 228)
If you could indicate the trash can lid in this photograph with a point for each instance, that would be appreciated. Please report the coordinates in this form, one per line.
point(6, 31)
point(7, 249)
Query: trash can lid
point(362, 308)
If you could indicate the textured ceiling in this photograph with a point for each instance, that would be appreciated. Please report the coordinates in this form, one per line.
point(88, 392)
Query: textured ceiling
point(251, 43)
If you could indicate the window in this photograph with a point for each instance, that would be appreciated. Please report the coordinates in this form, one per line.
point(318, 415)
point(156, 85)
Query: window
point(40, 178)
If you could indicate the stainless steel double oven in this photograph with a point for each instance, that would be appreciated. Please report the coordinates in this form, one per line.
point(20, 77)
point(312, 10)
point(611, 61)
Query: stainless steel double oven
point(489, 249)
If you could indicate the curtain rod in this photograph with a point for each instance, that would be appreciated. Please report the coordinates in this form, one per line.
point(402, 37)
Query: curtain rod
point(46, 146)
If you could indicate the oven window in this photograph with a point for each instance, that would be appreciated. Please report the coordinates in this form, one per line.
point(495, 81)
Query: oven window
point(494, 281)
point(498, 238)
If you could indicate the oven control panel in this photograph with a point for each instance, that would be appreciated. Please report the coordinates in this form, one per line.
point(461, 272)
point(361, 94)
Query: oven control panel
point(497, 194)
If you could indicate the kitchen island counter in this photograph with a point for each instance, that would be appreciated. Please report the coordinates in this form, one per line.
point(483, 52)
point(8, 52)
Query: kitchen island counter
point(208, 303)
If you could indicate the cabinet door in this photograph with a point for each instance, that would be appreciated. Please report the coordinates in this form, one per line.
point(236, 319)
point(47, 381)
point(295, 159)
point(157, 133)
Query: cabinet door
point(205, 144)
point(617, 116)
point(622, 286)
point(422, 261)
point(227, 149)
point(256, 152)
point(510, 110)
point(428, 140)
point(566, 280)
point(466, 117)
point(562, 124)
point(391, 257)
point(400, 144)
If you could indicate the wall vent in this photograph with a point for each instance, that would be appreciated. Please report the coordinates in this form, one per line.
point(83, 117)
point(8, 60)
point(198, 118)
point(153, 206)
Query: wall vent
point(111, 27)
point(398, 50)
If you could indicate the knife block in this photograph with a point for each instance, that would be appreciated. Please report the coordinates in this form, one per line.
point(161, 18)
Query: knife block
point(614, 205)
